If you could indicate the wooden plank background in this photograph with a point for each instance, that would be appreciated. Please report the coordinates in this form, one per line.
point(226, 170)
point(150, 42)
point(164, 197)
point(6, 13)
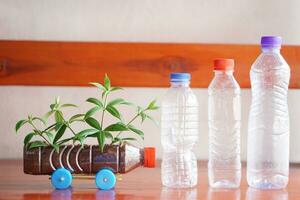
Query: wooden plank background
point(127, 64)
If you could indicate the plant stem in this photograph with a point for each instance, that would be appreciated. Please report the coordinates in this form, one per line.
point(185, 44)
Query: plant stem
point(102, 117)
point(49, 128)
point(71, 129)
point(132, 119)
point(40, 133)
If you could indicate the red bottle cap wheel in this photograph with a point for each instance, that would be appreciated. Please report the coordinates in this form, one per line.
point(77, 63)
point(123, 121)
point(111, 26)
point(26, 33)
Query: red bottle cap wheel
point(149, 157)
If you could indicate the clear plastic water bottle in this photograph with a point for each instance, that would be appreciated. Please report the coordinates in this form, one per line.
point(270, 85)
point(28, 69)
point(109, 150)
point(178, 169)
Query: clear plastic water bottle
point(179, 133)
point(268, 128)
point(224, 120)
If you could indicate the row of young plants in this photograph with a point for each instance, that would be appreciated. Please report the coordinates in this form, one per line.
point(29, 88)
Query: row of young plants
point(54, 134)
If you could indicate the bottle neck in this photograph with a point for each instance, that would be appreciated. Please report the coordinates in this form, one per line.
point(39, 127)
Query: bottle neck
point(222, 72)
point(270, 50)
point(179, 84)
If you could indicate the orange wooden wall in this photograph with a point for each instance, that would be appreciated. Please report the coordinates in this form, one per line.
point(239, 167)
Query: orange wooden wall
point(127, 64)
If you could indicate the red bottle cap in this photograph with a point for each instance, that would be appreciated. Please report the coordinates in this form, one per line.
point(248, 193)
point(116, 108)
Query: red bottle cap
point(223, 64)
point(149, 157)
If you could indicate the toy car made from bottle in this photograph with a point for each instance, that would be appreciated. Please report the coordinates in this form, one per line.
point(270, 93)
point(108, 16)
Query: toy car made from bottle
point(86, 160)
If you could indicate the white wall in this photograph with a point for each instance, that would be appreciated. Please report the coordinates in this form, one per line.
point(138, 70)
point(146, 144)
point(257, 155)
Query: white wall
point(208, 21)
point(230, 21)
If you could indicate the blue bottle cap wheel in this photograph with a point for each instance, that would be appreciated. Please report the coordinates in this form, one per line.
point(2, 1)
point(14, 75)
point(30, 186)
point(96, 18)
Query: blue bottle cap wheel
point(105, 179)
point(61, 179)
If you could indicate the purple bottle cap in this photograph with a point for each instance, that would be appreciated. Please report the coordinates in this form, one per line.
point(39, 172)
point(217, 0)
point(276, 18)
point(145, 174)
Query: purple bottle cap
point(271, 41)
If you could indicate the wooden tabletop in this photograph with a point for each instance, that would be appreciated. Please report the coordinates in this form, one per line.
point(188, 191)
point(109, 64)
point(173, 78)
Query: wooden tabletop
point(142, 183)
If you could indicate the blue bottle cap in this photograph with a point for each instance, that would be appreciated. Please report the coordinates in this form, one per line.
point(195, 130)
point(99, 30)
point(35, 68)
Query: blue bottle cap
point(179, 77)
point(105, 179)
point(61, 179)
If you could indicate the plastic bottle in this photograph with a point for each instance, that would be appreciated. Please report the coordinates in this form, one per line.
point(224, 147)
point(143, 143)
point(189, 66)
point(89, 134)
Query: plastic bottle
point(224, 119)
point(179, 133)
point(268, 128)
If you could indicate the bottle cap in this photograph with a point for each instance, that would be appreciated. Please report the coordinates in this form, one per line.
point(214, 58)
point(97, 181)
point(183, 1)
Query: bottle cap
point(223, 64)
point(271, 41)
point(149, 157)
point(180, 77)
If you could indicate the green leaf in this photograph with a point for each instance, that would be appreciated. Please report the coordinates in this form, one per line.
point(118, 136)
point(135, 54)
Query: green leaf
point(106, 82)
point(115, 88)
point(91, 112)
point(59, 116)
point(116, 127)
point(93, 135)
point(48, 114)
point(153, 120)
point(28, 138)
point(113, 111)
point(56, 147)
point(39, 119)
point(50, 136)
point(143, 116)
point(54, 126)
point(137, 131)
point(154, 108)
point(139, 109)
point(86, 132)
point(108, 135)
point(30, 117)
point(52, 106)
point(61, 130)
point(101, 140)
point(37, 144)
point(115, 140)
point(19, 124)
point(98, 85)
point(118, 101)
point(64, 141)
point(95, 101)
point(152, 105)
point(69, 105)
point(105, 93)
point(76, 117)
point(80, 139)
point(57, 126)
point(57, 100)
point(128, 138)
point(93, 123)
